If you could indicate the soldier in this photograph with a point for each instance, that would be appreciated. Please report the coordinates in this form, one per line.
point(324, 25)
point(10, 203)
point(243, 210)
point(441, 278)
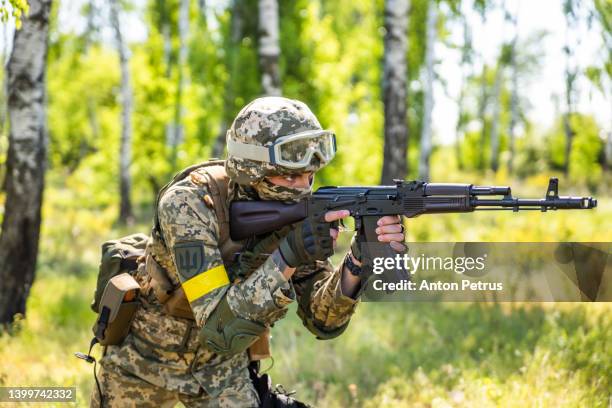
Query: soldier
point(208, 302)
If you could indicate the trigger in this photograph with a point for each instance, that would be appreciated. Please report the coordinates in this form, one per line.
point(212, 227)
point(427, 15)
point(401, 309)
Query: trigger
point(344, 227)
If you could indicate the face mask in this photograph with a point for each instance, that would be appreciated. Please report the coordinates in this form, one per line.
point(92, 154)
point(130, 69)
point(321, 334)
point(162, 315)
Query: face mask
point(270, 191)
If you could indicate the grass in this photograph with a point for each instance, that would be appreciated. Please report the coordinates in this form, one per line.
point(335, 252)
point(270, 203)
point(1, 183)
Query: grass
point(422, 354)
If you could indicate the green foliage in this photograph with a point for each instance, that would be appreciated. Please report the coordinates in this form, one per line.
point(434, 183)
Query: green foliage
point(343, 48)
point(331, 57)
point(81, 96)
point(584, 166)
point(298, 61)
point(13, 8)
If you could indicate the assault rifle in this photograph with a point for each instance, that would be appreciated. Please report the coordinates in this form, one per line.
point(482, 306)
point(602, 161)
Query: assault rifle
point(407, 198)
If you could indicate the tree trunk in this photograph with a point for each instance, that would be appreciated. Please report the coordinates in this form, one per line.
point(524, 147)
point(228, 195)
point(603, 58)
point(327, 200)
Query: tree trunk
point(26, 160)
point(395, 164)
point(482, 115)
point(4, 90)
point(91, 28)
point(178, 129)
point(496, 117)
point(233, 64)
point(570, 77)
point(426, 143)
point(608, 151)
point(167, 55)
point(167, 50)
point(567, 119)
point(125, 147)
point(269, 48)
point(514, 112)
point(466, 60)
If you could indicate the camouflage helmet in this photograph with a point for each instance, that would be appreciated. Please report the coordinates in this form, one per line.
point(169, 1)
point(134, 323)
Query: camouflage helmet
point(261, 123)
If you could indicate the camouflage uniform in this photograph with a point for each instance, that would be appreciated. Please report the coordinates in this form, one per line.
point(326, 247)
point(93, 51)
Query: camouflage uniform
point(161, 360)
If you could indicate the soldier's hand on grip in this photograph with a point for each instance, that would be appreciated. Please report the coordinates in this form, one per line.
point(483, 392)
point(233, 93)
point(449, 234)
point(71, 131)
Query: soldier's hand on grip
point(310, 240)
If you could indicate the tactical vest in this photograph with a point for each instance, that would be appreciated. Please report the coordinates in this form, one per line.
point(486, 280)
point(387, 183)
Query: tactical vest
point(169, 292)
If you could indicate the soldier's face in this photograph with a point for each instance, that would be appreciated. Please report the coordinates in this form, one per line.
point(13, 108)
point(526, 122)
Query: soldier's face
point(301, 180)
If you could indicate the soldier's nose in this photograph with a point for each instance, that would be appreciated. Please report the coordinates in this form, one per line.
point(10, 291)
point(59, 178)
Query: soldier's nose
point(316, 160)
point(304, 181)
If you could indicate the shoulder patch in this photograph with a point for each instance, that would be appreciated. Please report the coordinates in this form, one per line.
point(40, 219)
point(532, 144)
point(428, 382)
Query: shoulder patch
point(198, 178)
point(189, 257)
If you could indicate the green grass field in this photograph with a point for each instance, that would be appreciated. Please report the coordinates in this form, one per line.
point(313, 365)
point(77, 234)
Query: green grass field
point(392, 355)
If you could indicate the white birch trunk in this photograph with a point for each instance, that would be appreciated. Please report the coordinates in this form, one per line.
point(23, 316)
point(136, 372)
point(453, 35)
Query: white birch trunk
point(426, 142)
point(26, 160)
point(496, 117)
point(571, 72)
point(514, 100)
point(179, 113)
point(233, 66)
point(269, 48)
point(466, 61)
point(608, 151)
point(395, 91)
point(125, 145)
point(483, 100)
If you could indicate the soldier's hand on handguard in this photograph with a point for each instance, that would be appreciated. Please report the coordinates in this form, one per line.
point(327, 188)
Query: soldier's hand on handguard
point(311, 240)
point(390, 229)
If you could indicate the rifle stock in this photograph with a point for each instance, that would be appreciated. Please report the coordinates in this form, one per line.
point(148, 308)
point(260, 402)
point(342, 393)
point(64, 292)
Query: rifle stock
point(249, 218)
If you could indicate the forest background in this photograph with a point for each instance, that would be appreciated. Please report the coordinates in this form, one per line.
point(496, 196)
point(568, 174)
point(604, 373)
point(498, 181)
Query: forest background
point(125, 93)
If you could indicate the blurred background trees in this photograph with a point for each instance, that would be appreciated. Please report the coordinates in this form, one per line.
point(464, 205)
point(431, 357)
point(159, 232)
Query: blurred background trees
point(139, 89)
point(372, 71)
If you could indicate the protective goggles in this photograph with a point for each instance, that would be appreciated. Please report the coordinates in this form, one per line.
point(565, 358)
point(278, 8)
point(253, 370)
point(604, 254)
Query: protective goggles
point(292, 151)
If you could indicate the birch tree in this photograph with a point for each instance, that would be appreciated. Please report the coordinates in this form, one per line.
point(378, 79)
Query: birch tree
point(571, 73)
point(125, 145)
point(483, 100)
point(395, 164)
point(426, 142)
point(514, 100)
point(466, 61)
point(497, 87)
point(177, 129)
point(496, 111)
point(233, 66)
point(269, 48)
point(26, 161)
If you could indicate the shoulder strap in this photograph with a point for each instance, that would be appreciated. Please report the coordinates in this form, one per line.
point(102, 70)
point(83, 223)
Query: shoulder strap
point(218, 183)
point(181, 175)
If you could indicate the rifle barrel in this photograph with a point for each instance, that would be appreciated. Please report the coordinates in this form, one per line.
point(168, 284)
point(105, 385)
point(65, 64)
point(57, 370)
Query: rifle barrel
point(543, 203)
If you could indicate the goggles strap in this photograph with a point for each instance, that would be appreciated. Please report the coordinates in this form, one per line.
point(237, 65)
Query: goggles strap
point(248, 151)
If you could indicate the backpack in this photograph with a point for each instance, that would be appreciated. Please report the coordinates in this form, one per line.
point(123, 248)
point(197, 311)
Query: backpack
point(118, 256)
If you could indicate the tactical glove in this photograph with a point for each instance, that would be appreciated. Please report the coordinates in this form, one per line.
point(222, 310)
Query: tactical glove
point(309, 241)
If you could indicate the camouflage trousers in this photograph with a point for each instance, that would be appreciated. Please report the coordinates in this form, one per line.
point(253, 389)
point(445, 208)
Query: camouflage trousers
point(161, 363)
point(123, 389)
